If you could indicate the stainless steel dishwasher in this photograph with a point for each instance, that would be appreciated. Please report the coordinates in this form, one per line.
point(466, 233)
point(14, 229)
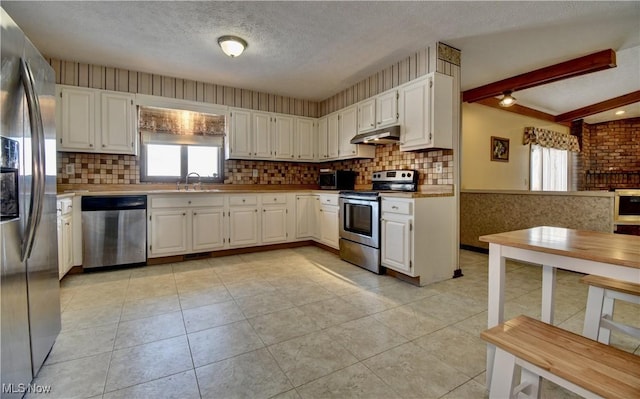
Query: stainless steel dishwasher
point(114, 230)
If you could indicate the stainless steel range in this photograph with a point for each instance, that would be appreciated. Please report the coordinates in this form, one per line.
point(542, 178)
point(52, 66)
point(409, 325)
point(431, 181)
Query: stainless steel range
point(360, 217)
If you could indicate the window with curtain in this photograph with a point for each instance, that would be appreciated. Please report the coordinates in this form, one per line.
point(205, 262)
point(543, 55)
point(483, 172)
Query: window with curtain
point(549, 169)
point(175, 143)
point(550, 164)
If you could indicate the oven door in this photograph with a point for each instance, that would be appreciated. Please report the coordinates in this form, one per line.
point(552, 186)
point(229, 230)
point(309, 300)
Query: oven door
point(360, 221)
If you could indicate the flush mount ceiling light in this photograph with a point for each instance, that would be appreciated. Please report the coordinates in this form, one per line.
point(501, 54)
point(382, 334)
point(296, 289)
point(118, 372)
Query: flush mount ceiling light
point(621, 112)
point(507, 99)
point(232, 46)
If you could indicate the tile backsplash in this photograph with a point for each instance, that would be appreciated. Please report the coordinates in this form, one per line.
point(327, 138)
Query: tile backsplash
point(125, 169)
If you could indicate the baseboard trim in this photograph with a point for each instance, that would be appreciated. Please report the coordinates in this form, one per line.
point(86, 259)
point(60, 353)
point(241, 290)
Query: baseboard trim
point(474, 249)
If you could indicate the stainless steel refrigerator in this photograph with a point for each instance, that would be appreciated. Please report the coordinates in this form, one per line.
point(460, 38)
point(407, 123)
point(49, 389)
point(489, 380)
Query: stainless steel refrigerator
point(30, 290)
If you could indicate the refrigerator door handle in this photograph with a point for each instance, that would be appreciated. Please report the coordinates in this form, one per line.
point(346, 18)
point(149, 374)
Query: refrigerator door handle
point(37, 159)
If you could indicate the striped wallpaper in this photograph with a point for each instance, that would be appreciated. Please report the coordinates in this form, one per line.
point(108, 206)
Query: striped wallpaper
point(106, 78)
point(437, 58)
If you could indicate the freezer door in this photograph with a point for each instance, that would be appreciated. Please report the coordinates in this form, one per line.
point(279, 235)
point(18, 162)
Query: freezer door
point(15, 346)
point(42, 264)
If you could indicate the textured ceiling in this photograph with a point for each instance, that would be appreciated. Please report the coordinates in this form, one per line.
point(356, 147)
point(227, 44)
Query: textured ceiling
point(312, 50)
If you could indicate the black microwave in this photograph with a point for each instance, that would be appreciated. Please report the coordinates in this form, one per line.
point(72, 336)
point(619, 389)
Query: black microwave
point(337, 179)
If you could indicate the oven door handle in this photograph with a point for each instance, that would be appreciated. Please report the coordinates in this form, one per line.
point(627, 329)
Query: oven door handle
point(358, 201)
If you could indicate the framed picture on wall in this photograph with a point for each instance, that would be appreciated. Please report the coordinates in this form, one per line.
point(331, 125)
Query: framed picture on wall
point(499, 149)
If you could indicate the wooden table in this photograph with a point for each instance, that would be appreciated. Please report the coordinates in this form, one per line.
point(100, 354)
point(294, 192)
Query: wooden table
point(603, 254)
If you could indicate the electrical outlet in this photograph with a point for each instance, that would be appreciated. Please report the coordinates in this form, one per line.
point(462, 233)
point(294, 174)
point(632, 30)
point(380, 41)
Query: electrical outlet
point(438, 167)
point(255, 173)
point(70, 169)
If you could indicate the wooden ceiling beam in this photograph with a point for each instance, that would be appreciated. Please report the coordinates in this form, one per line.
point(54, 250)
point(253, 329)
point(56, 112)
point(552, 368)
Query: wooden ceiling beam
point(603, 106)
point(519, 109)
point(578, 66)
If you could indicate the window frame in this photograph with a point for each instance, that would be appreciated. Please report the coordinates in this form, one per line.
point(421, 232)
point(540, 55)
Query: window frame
point(184, 165)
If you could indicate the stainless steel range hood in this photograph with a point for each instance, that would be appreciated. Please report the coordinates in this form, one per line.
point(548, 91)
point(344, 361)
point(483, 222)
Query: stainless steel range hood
point(388, 135)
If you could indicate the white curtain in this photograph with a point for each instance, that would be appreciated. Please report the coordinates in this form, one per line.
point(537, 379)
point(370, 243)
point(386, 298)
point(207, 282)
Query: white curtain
point(549, 169)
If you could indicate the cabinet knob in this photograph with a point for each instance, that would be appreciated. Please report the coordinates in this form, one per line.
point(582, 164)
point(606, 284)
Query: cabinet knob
point(189, 202)
point(264, 210)
point(256, 210)
point(90, 145)
point(372, 125)
point(379, 123)
point(184, 214)
point(243, 200)
point(103, 145)
point(194, 213)
point(66, 224)
point(291, 156)
point(275, 199)
point(394, 207)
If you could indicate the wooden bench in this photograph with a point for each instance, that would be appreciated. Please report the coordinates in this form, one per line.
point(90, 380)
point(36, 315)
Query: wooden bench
point(603, 292)
point(584, 366)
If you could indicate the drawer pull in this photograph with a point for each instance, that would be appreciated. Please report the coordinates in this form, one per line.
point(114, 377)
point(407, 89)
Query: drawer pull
point(394, 207)
point(189, 202)
point(243, 200)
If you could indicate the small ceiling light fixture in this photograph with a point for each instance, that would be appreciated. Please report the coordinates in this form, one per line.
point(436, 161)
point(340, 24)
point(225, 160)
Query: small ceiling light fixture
point(621, 112)
point(232, 46)
point(507, 99)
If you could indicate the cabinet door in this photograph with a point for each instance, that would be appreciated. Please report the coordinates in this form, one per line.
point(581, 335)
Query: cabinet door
point(333, 135)
point(262, 122)
point(283, 137)
point(329, 230)
point(67, 243)
point(117, 123)
point(315, 218)
point(243, 226)
point(61, 271)
point(168, 232)
point(387, 109)
point(367, 115)
point(304, 139)
point(240, 132)
point(348, 129)
point(78, 118)
point(304, 208)
point(274, 224)
point(396, 243)
point(414, 103)
point(207, 229)
point(323, 137)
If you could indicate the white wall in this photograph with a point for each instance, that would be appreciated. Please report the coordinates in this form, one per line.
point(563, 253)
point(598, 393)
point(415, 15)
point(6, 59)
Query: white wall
point(479, 123)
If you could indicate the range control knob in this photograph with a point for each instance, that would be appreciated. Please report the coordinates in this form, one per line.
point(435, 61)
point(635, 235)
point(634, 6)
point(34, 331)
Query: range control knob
point(404, 175)
point(408, 174)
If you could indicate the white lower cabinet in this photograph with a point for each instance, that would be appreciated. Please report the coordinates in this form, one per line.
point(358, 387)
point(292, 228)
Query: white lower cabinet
point(65, 236)
point(168, 230)
point(184, 224)
point(306, 215)
point(329, 226)
point(418, 237)
point(398, 239)
point(243, 226)
point(207, 229)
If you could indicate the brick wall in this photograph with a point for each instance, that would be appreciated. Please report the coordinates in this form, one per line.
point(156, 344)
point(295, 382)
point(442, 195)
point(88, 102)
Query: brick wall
point(610, 156)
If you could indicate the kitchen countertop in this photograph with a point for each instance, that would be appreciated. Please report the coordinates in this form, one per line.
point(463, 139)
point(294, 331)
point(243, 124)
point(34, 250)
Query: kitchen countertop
point(424, 191)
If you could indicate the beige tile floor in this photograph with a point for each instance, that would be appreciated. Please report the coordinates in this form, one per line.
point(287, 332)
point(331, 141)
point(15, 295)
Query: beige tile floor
point(296, 323)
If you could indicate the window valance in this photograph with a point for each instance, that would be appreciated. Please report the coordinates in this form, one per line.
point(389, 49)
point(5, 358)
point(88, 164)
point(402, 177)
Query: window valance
point(550, 139)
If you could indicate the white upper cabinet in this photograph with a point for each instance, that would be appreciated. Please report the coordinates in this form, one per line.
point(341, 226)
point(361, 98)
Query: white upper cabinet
point(333, 135)
point(240, 137)
point(262, 133)
point(118, 123)
point(305, 139)
point(283, 137)
point(367, 115)
point(348, 122)
point(387, 109)
point(77, 125)
point(426, 109)
point(92, 120)
point(322, 146)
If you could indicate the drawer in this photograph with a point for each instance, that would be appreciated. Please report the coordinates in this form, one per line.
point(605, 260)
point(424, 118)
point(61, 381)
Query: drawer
point(243, 200)
point(65, 206)
point(274, 199)
point(185, 201)
point(401, 207)
point(329, 200)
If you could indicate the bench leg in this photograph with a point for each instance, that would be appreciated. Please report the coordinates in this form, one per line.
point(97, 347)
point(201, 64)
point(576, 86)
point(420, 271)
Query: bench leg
point(593, 313)
point(531, 383)
point(503, 375)
point(604, 334)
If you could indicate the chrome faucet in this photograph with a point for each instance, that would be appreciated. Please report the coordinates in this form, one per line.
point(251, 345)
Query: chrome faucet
point(186, 180)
